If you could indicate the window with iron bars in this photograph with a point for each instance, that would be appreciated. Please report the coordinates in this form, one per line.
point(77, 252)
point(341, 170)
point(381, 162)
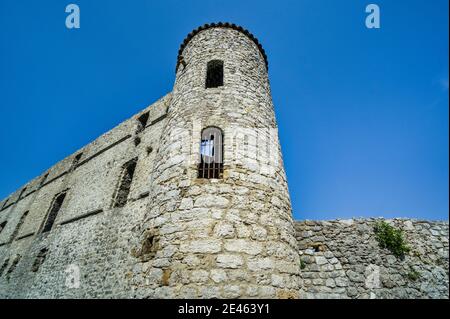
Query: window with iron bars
point(211, 154)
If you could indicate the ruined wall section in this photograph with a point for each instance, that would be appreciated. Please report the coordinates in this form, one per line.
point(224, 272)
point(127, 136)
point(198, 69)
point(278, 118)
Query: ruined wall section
point(89, 232)
point(342, 259)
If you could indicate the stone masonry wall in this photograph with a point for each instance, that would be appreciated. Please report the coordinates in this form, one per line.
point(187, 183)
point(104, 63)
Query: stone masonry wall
point(342, 259)
point(89, 233)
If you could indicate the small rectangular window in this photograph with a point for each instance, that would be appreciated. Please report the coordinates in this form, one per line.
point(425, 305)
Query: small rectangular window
point(125, 183)
point(214, 74)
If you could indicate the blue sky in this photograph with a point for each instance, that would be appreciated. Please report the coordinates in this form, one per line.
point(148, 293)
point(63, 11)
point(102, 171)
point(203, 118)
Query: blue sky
point(362, 114)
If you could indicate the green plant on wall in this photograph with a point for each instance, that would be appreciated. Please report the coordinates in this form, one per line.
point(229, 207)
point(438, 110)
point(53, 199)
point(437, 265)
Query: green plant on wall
point(302, 264)
point(391, 238)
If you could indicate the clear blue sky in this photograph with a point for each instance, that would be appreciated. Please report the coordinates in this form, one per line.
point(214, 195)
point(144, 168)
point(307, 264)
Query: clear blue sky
point(362, 114)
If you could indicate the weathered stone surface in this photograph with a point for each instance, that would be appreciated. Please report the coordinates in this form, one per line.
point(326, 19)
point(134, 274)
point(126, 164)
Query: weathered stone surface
point(354, 266)
point(260, 264)
point(211, 201)
point(186, 203)
point(201, 246)
point(320, 260)
point(225, 230)
point(229, 261)
point(243, 246)
point(219, 275)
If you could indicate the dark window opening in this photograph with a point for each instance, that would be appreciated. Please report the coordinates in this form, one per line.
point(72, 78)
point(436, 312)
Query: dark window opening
point(125, 183)
point(318, 247)
point(2, 226)
point(6, 202)
point(19, 225)
point(43, 180)
point(76, 159)
point(54, 210)
point(5, 264)
point(21, 193)
point(40, 258)
point(214, 74)
point(13, 265)
point(211, 154)
point(150, 246)
point(142, 122)
point(183, 62)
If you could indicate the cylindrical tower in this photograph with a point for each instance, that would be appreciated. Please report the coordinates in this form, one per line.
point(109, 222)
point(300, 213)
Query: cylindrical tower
point(219, 221)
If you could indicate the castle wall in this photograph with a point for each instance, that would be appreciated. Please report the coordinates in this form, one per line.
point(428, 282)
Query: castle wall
point(174, 235)
point(342, 259)
point(89, 233)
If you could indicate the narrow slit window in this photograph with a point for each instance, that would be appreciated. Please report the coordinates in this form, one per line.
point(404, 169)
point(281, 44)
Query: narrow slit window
point(22, 193)
point(4, 266)
point(5, 203)
point(54, 210)
point(14, 263)
point(142, 122)
point(40, 258)
point(19, 225)
point(76, 159)
point(211, 154)
point(214, 74)
point(125, 183)
point(2, 226)
point(43, 180)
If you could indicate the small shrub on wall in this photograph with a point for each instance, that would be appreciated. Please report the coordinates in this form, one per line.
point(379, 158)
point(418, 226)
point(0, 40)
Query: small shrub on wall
point(391, 238)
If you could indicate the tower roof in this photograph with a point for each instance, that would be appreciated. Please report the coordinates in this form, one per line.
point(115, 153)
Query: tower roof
point(221, 25)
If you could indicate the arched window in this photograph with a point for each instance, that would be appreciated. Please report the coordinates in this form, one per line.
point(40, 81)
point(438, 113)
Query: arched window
point(214, 74)
point(211, 153)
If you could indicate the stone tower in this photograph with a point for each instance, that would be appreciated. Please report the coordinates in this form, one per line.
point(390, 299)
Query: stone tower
point(219, 218)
